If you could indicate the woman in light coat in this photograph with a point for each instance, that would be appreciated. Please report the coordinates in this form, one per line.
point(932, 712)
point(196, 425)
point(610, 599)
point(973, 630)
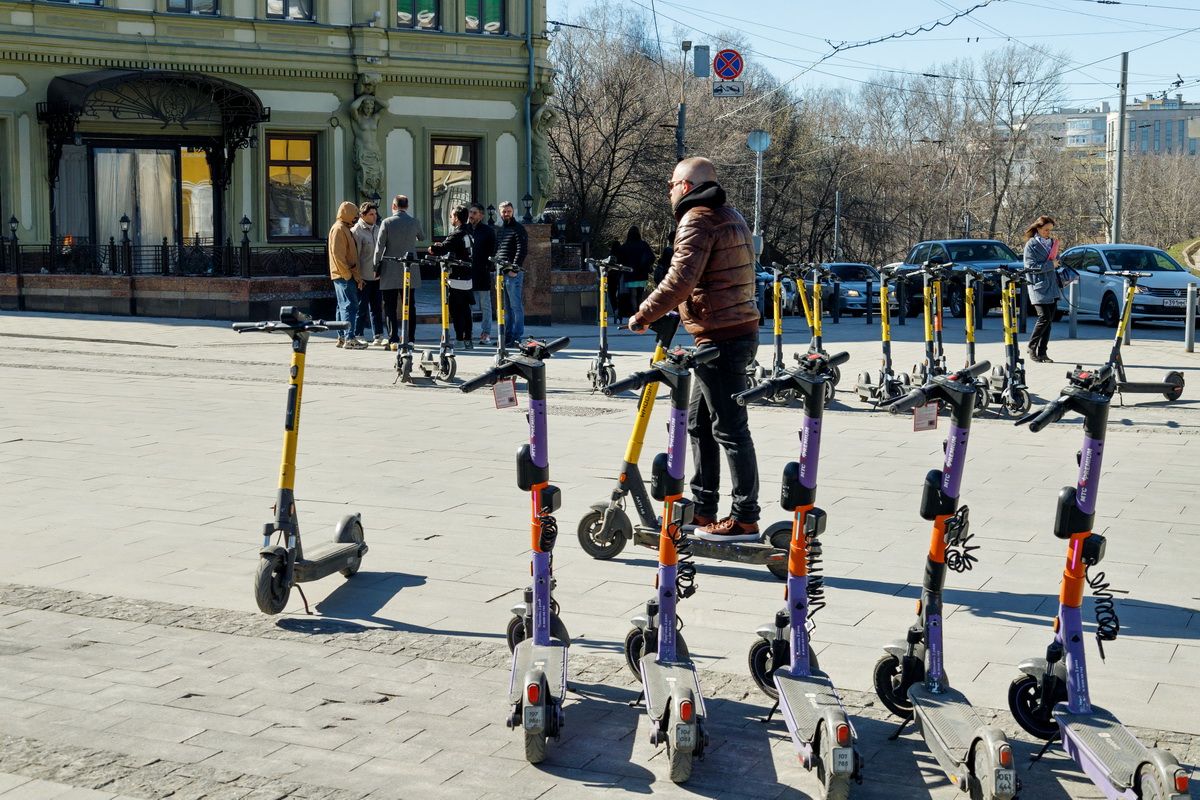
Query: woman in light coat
point(1041, 254)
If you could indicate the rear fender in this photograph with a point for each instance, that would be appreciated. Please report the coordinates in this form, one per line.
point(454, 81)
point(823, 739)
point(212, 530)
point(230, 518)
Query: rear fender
point(1167, 765)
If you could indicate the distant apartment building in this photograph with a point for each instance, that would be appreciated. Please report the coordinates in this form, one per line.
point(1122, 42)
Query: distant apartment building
point(1157, 126)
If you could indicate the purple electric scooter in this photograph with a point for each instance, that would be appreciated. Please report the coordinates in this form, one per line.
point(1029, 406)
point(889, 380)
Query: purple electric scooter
point(536, 635)
point(1051, 699)
point(654, 650)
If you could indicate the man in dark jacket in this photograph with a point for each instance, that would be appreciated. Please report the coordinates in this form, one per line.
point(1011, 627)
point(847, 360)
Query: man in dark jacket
point(484, 239)
point(512, 243)
point(711, 282)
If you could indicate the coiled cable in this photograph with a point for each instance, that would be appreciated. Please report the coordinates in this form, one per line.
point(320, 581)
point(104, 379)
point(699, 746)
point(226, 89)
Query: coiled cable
point(960, 553)
point(685, 569)
point(548, 531)
point(1108, 625)
point(816, 580)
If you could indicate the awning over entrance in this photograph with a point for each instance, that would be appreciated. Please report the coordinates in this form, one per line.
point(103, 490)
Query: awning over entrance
point(179, 99)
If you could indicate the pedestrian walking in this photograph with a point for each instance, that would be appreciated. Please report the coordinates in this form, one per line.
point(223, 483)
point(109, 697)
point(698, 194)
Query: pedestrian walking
point(343, 271)
point(637, 255)
point(460, 284)
point(483, 244)
point(1041, 254)
point(512, 245)
point(711, 282)
point(370, 302)
point(398, 236)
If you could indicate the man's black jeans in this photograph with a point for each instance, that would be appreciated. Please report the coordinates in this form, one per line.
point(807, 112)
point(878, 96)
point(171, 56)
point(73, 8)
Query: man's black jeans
point(716, 422)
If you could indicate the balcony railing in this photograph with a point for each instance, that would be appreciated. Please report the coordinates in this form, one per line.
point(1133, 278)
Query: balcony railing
point(188, 258)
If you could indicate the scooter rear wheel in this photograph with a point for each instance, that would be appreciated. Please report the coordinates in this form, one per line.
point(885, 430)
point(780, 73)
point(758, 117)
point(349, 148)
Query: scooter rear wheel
point(592, 525)
point(780, 537)
point(535, 746)
point(837, 787)
point(1024, 699)
point(351, 533)
point(681, 763)
point(1017, 402)
point(887, 686)
point(983, 774)
point(271, 591)
point(1150, 784)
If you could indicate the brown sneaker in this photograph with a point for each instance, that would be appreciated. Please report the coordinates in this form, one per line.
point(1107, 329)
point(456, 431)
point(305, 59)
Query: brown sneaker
point(729, 530)
point(700, 521)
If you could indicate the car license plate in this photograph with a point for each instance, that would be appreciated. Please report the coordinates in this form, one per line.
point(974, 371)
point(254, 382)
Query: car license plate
point(535, 718)
point(685, 737)
point(843, 760)
point(1006, 782)
point(1174, 302)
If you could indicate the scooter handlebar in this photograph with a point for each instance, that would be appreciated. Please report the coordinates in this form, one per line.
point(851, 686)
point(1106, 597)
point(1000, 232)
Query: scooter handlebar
point(837, 359)
point(703, 355)
point(974, 371)
point(557, 344)
point(761, 392)
point(629, 383)
point(488, 378)
point(308, 326)
point(908, 402)
point(1044, 416)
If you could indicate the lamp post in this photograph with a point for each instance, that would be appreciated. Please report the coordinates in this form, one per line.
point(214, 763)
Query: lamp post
point(491, 209)
point(16, 253)
point(527, 204)
point(126, 250)
point(837, 211)
point(758, 141)
point(585, 228)
point(560, 228)
point(245, 254)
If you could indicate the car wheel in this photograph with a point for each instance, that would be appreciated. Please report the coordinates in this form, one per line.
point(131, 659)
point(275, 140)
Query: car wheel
point(957, 304)
point(1110, 313)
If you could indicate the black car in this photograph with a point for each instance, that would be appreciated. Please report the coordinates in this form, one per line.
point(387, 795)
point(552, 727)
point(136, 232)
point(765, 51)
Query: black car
point(984, 255)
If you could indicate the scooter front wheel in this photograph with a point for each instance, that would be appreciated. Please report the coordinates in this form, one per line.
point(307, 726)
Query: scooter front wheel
point(447, 368)
point(1175, 381)
point(600, 541)
point(762, 668)
point(271, 590)
point(1017, 402)
point(351, 530)
point(635, 648)
point(1025, 703)
point(888, 680)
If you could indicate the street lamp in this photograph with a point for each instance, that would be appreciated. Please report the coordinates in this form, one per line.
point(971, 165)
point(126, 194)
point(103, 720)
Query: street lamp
point(758, 141)
point(12, 226)
point(124, 227)
point(585, 228)
point(245, 254)
point(527, 204)
point(560, 228)
point(245, 223)
point(491, 209)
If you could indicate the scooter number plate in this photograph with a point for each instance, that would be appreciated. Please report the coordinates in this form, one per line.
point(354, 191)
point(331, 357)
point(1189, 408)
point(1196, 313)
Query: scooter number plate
point(1006, 782)
point(535, 718)
point(685, 737)
point(843, 760)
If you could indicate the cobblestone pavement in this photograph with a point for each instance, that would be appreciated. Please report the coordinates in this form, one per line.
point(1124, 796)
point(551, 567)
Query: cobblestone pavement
point(138, 461)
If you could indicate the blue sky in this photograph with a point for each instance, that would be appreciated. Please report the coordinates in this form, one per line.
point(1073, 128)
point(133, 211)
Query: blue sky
point(786, 36)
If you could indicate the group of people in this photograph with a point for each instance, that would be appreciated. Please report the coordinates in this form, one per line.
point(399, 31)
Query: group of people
point(366, 265)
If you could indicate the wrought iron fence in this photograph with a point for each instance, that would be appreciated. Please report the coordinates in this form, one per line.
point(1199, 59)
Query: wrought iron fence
point(191, 258)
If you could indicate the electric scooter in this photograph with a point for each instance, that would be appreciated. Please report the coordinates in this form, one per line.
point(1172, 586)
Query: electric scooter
point(781, 661)
point(756, 374)
point(1006, 384)
point(888, 383)
point(441, 363)
point(606, 527)
point(932, 275)
point(601, 371)
point(537, 637)
point(971, 278)
point(1171, 386)
point(1051, 699)
point(910, 678)
point(654, 650)
point(813, 314)
point(502, 267)
point(406, 351)
point(285, 563)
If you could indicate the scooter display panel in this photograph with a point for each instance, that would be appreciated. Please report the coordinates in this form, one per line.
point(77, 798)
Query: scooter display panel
point(948, 719)
point(552, 659)
point(803, 700)
point(658, 679)
point(1112, 746)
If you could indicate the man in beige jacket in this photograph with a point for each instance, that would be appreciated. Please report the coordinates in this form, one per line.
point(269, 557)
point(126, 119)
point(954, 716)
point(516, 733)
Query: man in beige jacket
point(343, 271)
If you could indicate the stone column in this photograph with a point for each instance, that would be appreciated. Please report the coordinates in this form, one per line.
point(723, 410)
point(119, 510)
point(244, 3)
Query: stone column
point(537, 275)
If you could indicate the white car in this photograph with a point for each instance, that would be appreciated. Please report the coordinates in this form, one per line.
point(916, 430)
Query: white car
point(1101, 295)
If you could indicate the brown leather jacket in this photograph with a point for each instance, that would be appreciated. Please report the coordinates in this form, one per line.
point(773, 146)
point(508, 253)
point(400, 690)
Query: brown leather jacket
point(711, 279)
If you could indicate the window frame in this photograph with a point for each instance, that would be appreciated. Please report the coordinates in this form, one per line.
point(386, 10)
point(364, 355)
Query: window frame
point(412, 4)
point(216, 12)
point(286, 15)
point(314, 162)
point(477, 7)
point(434, 165)
point(83, 3)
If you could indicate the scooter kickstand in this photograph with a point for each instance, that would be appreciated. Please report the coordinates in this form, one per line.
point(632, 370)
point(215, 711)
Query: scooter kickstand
point(767, 719)
point(638, 700)
point(305, 599)
point(900, 730)
point(1038, 756)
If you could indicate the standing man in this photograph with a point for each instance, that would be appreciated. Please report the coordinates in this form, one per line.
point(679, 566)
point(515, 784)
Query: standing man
point(484, 247)
point(398, 235)
point(711, 281)
point(343, 271)
point(370, 303)
point(512, 244)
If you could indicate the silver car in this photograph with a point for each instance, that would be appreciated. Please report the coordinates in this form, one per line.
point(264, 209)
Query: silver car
point(1162, 296)
point(853, 278)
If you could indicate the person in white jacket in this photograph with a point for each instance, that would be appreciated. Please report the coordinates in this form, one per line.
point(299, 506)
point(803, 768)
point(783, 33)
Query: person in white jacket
point(370, 303)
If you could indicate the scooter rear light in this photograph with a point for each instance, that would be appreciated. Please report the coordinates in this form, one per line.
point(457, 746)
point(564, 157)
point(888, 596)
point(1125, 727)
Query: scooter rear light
point(1181, 782)
point(1006, 758)
point(842, 734)
point(533, 693)
point(686, 711)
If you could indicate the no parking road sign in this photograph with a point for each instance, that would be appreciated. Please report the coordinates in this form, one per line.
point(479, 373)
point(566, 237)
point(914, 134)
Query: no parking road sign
point(728, 64)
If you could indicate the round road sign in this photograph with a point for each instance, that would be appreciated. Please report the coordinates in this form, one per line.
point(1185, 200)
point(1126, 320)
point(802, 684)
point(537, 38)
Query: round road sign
point(728, 64)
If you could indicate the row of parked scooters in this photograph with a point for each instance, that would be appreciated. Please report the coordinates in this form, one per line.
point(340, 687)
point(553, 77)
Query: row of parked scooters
point(1049, 698)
